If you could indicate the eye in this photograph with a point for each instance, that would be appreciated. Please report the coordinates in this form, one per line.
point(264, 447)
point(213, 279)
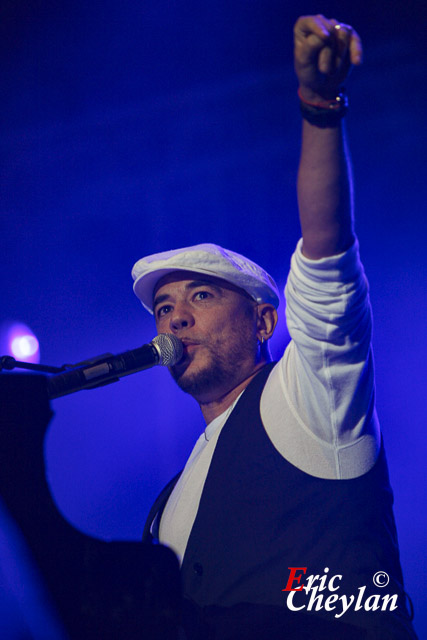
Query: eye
point(162, 311)
point(202, 295)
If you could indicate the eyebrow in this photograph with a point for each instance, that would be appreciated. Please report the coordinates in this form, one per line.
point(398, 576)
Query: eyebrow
point(194, 284)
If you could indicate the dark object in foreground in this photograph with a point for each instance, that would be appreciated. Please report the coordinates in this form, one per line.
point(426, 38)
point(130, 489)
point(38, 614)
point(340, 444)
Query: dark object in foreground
point(99, 589)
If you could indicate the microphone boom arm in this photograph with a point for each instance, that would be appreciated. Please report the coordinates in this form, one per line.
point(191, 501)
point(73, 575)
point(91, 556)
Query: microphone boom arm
point(165, 350)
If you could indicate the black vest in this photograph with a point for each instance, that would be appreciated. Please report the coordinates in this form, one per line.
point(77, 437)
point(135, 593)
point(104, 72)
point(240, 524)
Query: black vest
point(259, 515)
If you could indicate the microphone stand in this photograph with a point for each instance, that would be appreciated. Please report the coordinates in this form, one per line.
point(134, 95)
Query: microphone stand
point(164, 349)
point(8, 363)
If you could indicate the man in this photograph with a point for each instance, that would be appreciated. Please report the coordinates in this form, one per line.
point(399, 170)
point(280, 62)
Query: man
point(283, 513)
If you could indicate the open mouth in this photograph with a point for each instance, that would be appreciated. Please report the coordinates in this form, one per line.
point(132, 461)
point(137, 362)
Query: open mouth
point(189, 345)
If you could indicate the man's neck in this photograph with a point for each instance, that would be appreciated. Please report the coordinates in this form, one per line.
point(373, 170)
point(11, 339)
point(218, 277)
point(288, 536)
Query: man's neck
point(214, 408)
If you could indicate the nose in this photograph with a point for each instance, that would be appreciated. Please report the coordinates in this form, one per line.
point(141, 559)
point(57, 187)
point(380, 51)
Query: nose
point(181, 318)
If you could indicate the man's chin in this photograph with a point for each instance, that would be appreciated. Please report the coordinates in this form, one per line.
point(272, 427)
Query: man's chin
point(196, 380)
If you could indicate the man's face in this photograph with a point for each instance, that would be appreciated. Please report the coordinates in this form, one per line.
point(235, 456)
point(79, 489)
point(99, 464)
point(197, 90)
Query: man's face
point(217, 325)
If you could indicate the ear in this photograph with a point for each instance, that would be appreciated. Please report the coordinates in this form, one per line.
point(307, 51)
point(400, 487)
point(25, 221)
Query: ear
point(266, 321)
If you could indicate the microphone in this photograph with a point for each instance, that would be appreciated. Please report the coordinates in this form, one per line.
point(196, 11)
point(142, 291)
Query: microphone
point(165, 350)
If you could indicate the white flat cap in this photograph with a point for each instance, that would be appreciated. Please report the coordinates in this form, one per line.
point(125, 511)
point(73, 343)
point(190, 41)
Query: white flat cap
point(208, 259)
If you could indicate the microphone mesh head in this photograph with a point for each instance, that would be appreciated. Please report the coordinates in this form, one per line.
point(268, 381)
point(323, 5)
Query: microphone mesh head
point(169, 347)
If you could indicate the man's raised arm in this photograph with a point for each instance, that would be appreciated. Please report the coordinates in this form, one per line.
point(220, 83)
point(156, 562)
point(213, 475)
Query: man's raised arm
point(324, 52)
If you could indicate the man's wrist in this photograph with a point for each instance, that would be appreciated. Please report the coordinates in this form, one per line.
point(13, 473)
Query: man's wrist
point(322, 112)
point(305, 93)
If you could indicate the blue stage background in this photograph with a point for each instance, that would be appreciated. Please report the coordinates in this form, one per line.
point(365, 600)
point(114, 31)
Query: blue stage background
point(135, 127)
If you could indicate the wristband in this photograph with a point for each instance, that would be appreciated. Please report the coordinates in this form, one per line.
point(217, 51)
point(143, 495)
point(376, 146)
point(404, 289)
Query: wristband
point(324, 114)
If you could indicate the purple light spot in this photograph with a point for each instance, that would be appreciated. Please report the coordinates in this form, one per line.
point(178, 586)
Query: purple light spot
point(24, 346)
point(19, 341)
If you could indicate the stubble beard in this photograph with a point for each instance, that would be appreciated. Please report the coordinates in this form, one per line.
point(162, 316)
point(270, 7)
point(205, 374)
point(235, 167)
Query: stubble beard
point(223, 371)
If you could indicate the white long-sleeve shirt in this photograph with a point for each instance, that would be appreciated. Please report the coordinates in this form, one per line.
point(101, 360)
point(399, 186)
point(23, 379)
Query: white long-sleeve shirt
point(317, 406)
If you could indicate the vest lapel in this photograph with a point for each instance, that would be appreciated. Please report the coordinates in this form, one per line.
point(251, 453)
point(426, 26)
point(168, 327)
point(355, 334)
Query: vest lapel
point(153, 518)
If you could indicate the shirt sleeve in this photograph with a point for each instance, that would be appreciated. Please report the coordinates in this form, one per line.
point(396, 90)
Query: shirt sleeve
point(328, 366)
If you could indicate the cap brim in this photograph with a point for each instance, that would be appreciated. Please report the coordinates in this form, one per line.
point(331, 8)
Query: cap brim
point(145, 286)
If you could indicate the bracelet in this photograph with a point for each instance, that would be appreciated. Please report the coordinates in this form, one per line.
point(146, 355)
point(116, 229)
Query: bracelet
point(327, 113)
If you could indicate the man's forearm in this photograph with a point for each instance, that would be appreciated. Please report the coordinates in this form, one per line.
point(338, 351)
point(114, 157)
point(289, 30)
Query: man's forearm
point(325, 192)
point(324, 51)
